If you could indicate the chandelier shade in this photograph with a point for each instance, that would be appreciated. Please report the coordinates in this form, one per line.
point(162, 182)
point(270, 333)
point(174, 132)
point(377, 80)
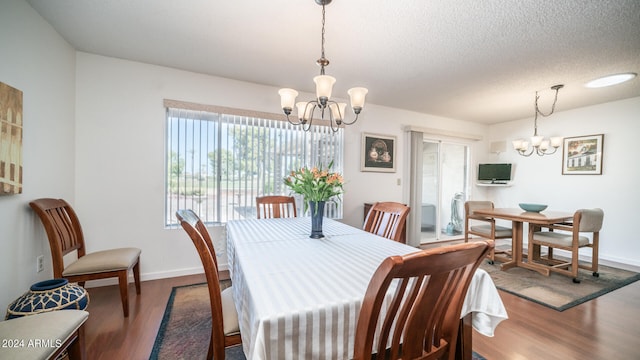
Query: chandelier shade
point(324, 91)
point(324, 86)
point(287, 98)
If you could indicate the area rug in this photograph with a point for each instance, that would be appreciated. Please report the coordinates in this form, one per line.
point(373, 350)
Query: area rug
point(186, 325)
point(557, 291)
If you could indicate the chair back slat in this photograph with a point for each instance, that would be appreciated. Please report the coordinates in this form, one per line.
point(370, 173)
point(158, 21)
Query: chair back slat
point(276, 206)
point(423, 315)
point(63, 230)
point(387, 219)
point(63, 224)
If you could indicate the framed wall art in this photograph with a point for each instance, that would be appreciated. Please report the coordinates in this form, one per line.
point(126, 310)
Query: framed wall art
point(582, 155)
point(10, 140)
point(378, 153)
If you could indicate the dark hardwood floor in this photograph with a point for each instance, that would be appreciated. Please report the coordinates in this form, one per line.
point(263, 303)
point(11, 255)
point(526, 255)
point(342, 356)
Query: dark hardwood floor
point(604, 328)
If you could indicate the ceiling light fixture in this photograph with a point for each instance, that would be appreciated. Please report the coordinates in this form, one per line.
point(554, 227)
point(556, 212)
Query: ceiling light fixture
point(324, 86)
point(610, 80)
point(539, 144)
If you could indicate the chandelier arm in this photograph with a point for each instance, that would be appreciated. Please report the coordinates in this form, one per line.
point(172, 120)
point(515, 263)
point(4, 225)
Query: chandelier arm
point(333, 121)
point(293, 123)
point(545, 152)
point(306, 125)
point(524, 153)
point(555, 148)
point(343, 121)
point(333, 124)
point(350, 123)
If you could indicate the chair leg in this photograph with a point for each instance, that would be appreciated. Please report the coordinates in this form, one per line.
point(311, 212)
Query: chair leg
point(575, 265)
point(136, 276)
point(76, 351)
point(124, 291)
point(210, 351)
point(594, 254)
point(492, 256)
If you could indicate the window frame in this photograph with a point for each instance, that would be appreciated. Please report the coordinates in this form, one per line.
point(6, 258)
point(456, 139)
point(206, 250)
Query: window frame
point(317, 147)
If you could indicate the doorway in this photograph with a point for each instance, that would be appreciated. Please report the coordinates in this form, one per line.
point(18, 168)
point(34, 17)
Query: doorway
point(444, 190)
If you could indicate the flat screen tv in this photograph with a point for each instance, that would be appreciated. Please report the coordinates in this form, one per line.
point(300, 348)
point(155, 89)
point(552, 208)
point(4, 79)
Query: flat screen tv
point(494, 173)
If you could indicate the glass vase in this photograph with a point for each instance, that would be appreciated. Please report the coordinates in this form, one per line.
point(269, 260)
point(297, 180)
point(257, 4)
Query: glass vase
point(317, 214)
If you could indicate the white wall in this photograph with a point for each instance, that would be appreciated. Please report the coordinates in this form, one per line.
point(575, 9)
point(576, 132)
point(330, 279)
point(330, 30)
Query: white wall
point(120, 153)
point(540, 179)
point(369, 187)
point(37, 61)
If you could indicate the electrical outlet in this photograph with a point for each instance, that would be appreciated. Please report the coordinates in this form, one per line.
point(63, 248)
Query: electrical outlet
point(40, 263)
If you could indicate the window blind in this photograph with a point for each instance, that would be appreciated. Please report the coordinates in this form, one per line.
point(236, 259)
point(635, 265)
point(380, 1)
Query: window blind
point(217, 163)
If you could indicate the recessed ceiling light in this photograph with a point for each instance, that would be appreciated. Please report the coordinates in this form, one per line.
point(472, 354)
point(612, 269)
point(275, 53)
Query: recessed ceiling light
point(610, 80)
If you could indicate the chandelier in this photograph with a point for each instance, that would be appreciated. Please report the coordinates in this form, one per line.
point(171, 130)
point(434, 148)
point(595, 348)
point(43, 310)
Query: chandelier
point(539, 144)
point(324, 86)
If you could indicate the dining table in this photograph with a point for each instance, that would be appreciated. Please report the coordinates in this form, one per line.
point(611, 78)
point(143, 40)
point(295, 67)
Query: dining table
point(518, 217)
point(299, 298)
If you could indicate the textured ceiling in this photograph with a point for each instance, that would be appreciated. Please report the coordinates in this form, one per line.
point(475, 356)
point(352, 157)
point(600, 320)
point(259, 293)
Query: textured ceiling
point(472, 60)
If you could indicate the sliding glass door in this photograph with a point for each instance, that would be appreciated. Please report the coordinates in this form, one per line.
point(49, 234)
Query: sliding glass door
point(444, 187)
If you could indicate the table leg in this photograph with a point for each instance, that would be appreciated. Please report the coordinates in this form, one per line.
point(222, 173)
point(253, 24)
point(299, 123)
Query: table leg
point(533, 256)
point(516, 246)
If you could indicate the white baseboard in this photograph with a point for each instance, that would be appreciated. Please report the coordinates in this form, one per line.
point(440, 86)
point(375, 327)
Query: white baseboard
point(152, 276)
point(618, 263)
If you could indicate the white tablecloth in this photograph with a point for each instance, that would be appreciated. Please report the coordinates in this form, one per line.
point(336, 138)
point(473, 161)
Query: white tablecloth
point(299, 298)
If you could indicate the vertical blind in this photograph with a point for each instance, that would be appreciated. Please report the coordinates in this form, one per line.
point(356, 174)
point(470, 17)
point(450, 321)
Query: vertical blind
point(218, 162)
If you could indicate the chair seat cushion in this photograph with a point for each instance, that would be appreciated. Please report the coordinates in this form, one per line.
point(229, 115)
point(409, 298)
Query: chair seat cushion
point(558, 239)
point(47, 326)
point(229, 313)
point(103, 261)
point(501, 231)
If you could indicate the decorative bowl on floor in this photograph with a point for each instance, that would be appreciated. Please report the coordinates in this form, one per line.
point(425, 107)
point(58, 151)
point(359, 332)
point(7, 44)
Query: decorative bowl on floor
point(532, 207)
point(49, 295)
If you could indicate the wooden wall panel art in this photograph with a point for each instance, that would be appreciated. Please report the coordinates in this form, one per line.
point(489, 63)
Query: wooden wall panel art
point(10, 140)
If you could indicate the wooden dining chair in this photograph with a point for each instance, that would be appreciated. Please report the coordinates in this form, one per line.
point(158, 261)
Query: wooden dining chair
point(276, 206)
point(425, 291)
point(486, 228)
point(65, 236)
point(225, 330)
point(387, 219)
point(567, 236)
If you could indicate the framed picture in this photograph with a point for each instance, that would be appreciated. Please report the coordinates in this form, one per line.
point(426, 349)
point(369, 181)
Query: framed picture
point(582, 155)
point(10, 140)
point(378, 153)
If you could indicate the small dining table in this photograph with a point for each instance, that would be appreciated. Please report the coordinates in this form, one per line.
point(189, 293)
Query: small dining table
point(518, 217)
point(299, 298)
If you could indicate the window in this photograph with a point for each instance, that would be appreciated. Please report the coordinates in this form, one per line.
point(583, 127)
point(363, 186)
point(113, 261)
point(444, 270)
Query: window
point(219, 159)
